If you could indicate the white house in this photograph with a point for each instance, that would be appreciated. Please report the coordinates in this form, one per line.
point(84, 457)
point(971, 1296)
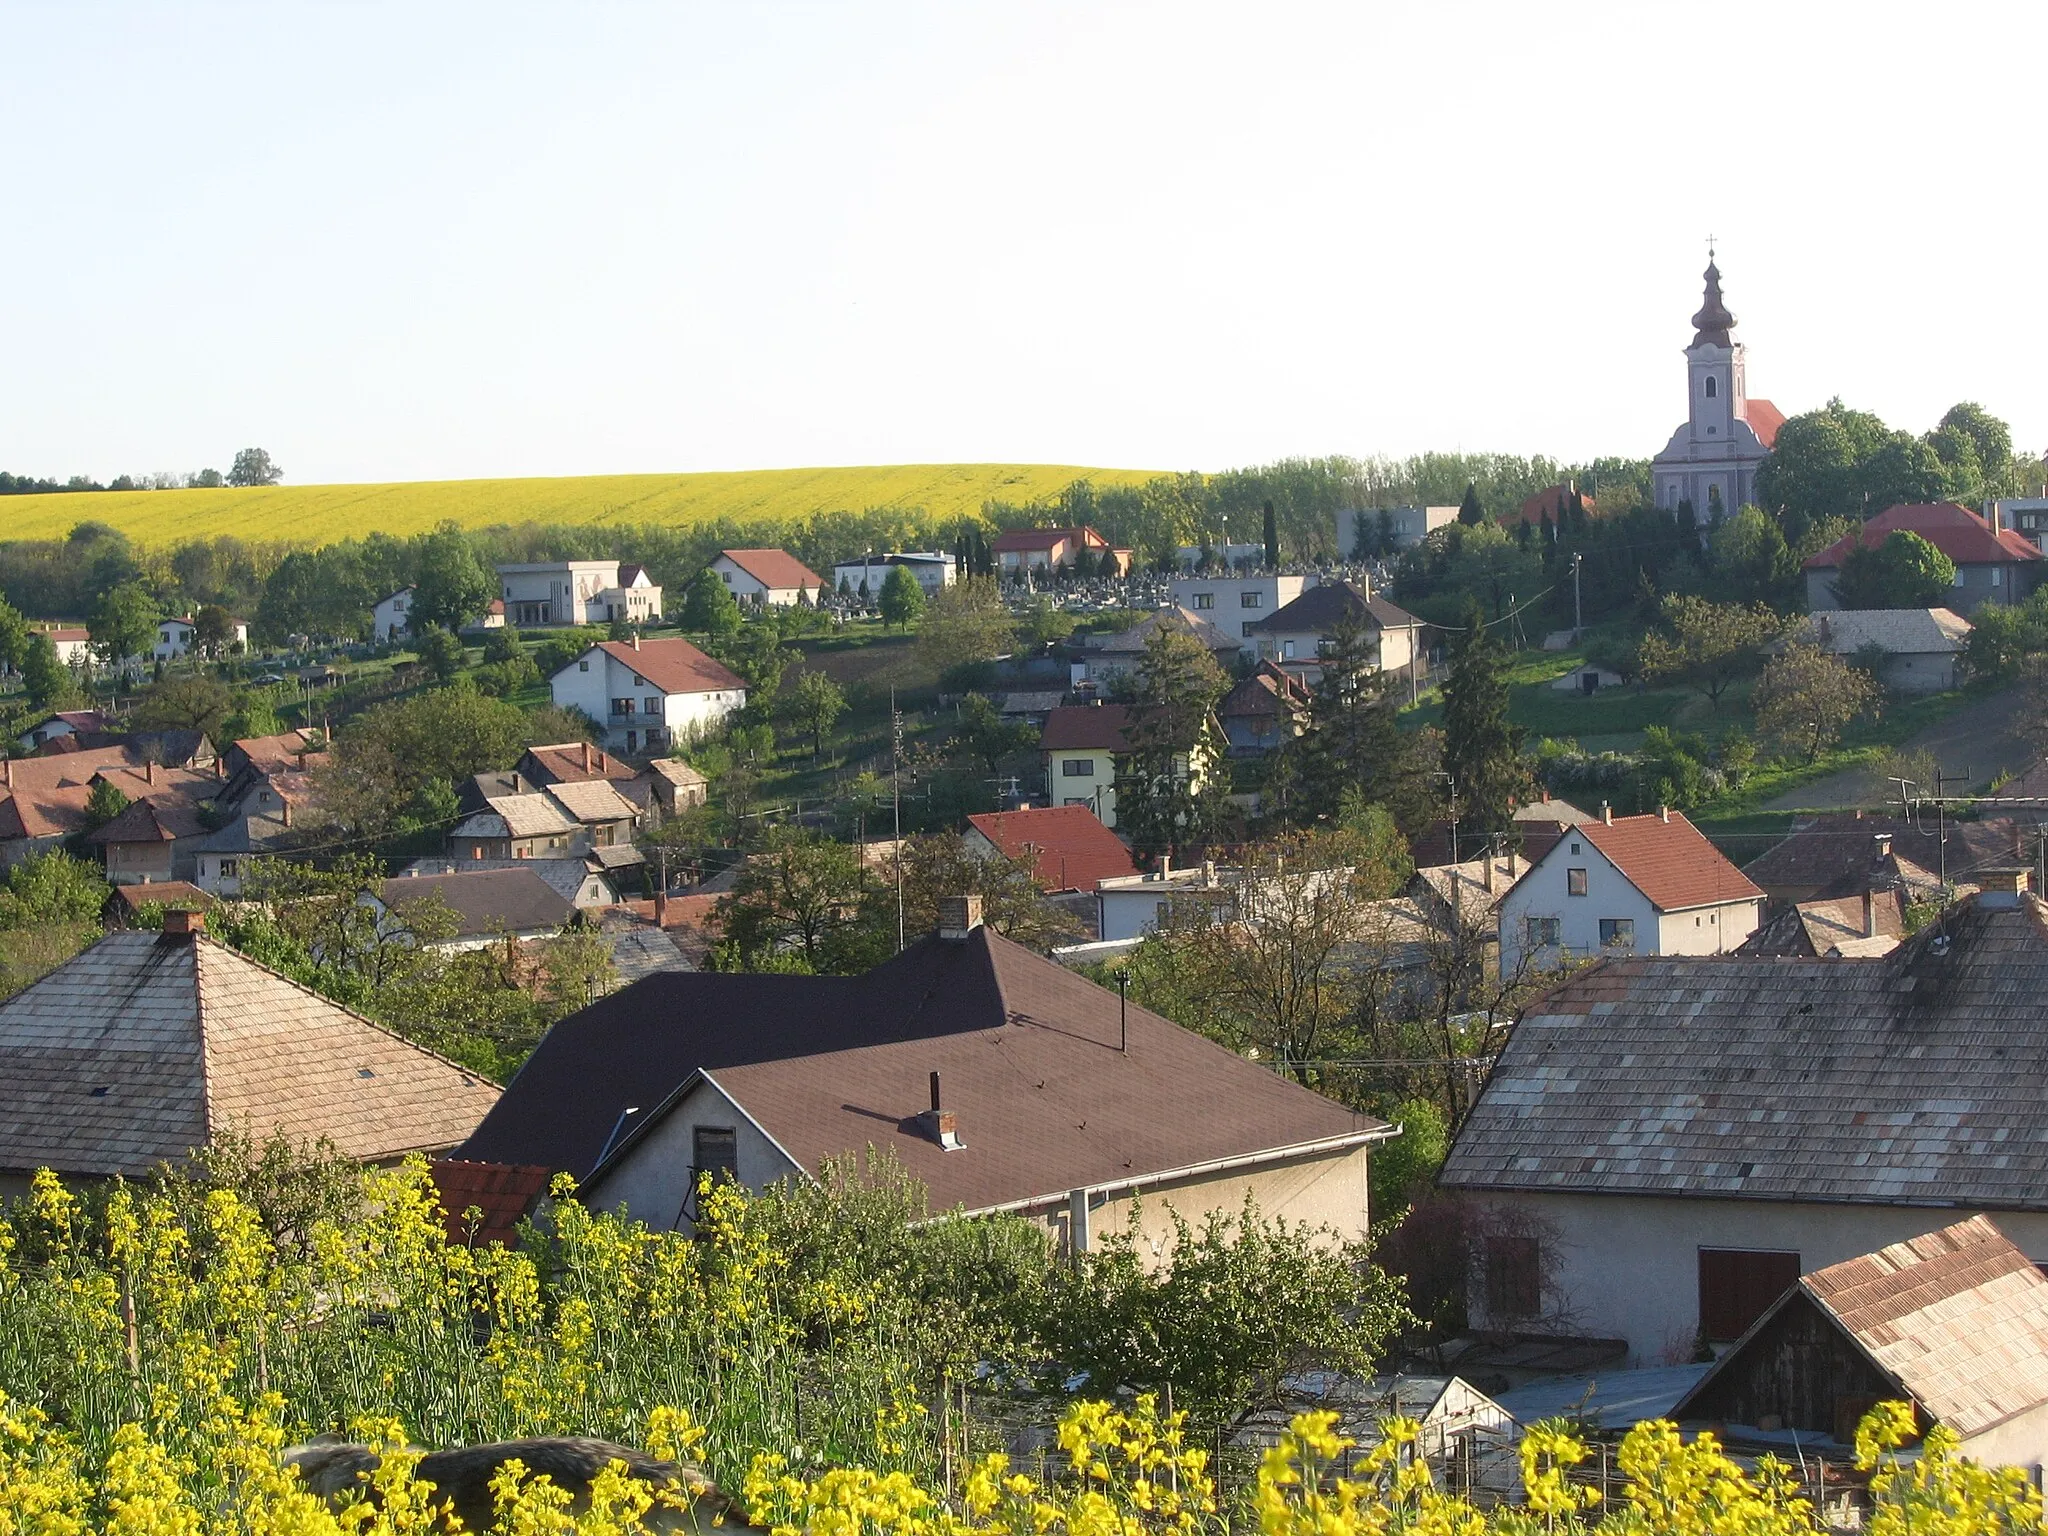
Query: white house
point(392, 617)
point(71, 642)
point(933, 572)
point(551, 592)
point(1383, 528)
point(1647, 885)
point(177, 637)
point(1235, 602)
point(773, 577)
point(1667, 1143)
point(648, 694)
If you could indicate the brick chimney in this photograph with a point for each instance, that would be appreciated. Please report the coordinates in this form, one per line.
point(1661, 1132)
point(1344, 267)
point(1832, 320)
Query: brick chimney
point(959, 916)
point(181, 924)
point(287, 813)
point(1606, 814)
point(636, 640)
point(586, 757)
point(940, 1124)
point(1870, 914)
point(1884, 846)
point(149, 771)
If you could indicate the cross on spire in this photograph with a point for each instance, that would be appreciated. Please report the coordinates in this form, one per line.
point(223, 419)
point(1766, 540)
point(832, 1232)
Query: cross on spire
point(1710, 247)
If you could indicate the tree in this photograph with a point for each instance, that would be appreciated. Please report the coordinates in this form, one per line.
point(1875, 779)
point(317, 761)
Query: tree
point(253, 466)
point(50, 905)
point(939, 866)
point(814, 705)
point(388, 756)
point(1470, 511)
point(1169, 792)
point(1044, 625)
point(452, 586)
point(103, 804)
point(1808, 695)
point(902, 598)
point(48, 680)
point(1710, 645)
point(1905, 571)
point(709, 607)
point(124, 623)
point(792, 896)
point(503, 644)
point(1482, 750)
point(1751, 560)
point(442, 652)
point(207, 480)
point(213, 629)
point(1353, 741)
point(185, 701)
point(1990, 443)
point(1272, 532)
point(986, 736)
point(15, 636)
point(966, 624)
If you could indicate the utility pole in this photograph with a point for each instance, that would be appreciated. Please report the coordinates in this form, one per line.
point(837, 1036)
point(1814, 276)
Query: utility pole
point(1940, 805)
point(896, 788)
point(1578, 613)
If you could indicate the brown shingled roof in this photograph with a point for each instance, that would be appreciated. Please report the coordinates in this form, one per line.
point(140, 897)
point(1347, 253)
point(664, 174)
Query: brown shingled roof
point(1099, 727)
point(1670, 862)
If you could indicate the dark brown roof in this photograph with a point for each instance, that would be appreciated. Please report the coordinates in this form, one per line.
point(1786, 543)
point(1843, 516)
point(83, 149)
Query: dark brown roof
point(673, 666)
point(1671, 862)
point(1068, 844)
point(1831, 925)
point(1552, 499)
point(776, 569)
point(501, 1193)
point(1260, 694)
point(1134, 640)
point(1026, 1049)
point(1321, 609)
point(487, 900)
point(572, 762)
point(1836, 852)
point(1084, 727)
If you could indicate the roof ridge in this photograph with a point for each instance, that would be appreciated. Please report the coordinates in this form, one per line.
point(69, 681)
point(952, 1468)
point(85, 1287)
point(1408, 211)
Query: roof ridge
point(206, 1119)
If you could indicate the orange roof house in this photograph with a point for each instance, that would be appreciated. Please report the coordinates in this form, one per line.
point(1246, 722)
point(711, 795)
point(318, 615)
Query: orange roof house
point(1067, 844)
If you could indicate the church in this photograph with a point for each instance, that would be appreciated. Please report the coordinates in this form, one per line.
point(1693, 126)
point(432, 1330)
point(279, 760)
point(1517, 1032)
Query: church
point(1712, 460)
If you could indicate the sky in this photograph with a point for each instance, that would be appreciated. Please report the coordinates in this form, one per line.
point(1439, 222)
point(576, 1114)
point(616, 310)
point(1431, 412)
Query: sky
point(423, 241)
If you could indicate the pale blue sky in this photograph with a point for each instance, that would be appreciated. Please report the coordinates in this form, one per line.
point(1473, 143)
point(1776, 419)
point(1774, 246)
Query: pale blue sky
point(410, 241)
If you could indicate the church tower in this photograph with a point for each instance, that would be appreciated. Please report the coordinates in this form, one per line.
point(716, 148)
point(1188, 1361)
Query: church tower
point(1711, 461)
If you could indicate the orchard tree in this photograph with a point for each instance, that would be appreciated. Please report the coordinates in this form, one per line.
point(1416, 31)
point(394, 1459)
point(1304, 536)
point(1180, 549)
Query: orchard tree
point(709, 607)
point(1709, 645)
point(986, 736)
point(124, 623)
point(213, 629)
point(442, 652)
point(253, 466)
point(185, 701)
point(814, 705)
point(902, 598)
point(964, 624)
point(50, 683)
point(789, 898)
point(1807, 696)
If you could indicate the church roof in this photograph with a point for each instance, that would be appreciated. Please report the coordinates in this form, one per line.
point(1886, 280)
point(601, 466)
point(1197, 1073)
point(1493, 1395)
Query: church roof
point(1713, 323)
point(1764, 420)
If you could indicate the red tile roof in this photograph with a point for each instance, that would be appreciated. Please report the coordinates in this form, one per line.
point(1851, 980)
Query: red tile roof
point(1532, 510)
point(574, 762)
point(1096, 727)
point(1950, 527)
point(774, 568)
point(1017, 540)
point(1670, 862)
point(1764, 420)
point(673, 666)
point(501, 1192)
point(1071, 847)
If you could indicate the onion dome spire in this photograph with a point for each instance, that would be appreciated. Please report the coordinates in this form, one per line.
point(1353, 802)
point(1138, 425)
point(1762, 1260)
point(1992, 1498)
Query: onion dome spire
point(1713, 322)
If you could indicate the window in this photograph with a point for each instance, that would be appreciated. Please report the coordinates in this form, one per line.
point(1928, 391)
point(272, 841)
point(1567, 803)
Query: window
point(1617, 933)
point(1737, 1285)
point(1575, 847)
point(230, 868)
point(582, 666)
point(1575, 882)
point(1712, 387)
point(1542, 931)
point(1997, 576)
point(1514, 1279)
point(714, 1149)
point(1286, 650)
point(1078, 768)
point(1205, 600)
point(1250, 599)
point(1249, 626)
point(1078, 800)
point(1959, 576)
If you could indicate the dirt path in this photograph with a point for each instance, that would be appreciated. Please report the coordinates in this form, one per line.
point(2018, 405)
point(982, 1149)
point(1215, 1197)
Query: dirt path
point(1977, 739)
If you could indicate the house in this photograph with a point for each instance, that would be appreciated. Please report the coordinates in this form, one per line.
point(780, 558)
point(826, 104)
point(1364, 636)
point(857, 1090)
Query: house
point(553, 592)
point(180, 637)
point(1536, 826)
point(1386, 529)
point(152, 839)
point(1846, 852)
point(574, 762)
point(1022, 552)
point(608, 818)
point(1119, 655)
point(1214, 557)
point(1555, 501)
point(260, 827)
point(169, 749)
point(493, 617)
point(999, 1079)
point(532, 825)
point(1068, 847)
point(490, 905)
point(1671, 1140)
point(1588, 677)
point(770, 577)
point(43, 799)
point(2025, 515)
point(1080, 745)
point(1649, 885)
point(1861, 926)
point(482, 1204)
point(65, 722)
point(71, 642)
point(391, 617)
point(1295, 638)
point(673, 785)
point(1031, 705)
point(1234, 603)
point(1953, 1321)
point(864, 577)
point(648, 695)
point(125, 903)
point(577, 879)
point(1923, 647)
point(146, 1046)
point(1263, 712)
point(1992, 565)
point(1469, 892)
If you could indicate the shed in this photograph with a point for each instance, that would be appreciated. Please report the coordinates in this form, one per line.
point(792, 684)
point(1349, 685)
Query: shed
point(1588, 678)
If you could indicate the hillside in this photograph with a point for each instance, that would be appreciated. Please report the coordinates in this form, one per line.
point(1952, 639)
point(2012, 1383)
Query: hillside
point(317, 514)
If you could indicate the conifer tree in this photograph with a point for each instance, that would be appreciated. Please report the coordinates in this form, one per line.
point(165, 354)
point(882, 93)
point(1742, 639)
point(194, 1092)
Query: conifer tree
point(1354, 744)
point(1482, 749)
point(1171, 786)
point(1470, 512)
point(1272, 539)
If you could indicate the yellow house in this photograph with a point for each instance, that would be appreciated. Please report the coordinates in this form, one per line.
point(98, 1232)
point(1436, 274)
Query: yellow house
point(1081, 743)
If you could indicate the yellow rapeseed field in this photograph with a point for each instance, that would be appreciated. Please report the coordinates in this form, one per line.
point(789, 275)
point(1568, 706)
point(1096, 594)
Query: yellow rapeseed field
point(320, 514)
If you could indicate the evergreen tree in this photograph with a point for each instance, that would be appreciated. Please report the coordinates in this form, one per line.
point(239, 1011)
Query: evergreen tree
point(1482, 750)
point(1386, 530)
point(1548, 529)
point(49, 681)
point(902, 598)
point(1470, 512)
point(1525, 533)
point(709, 607)
point(1578, 511)
point(1354, 743)
point(1171, 785)
point(1272, 539)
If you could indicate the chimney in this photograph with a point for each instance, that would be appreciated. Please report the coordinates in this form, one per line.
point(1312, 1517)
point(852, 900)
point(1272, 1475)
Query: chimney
point(1664, 813)
point(941, 1125)
point(959, 916)
point(1166, 866)
point(10, 773)
point(636, 640)
point(1489, 871)
point(287, 813)
point(1209, 874)
point(1884, 846)
point(180, 924)
point(149, 770)
point(1366, 581)
point(1870, 914)
point(412, 871)
point(586, 757)
point(1606, 814)
point(661, 906)
point(2004, 882)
